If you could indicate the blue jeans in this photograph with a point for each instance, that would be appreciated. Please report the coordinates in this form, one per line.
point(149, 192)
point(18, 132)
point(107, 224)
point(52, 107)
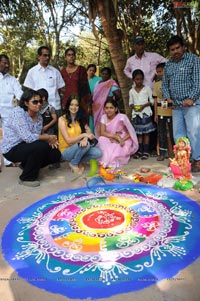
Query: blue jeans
point(76, 154)
point(186, 122)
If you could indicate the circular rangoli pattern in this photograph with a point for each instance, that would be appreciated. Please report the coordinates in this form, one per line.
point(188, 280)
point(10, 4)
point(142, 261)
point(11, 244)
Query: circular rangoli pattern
point(107, 240)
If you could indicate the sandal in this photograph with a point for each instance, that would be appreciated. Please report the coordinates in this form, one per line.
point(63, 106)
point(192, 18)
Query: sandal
point(161, 158)
point(75, 169)
point(154, 154)
point(145, 156)
point(54, 166)
point(81, 167)
point(137, 155)
point(13, 165)
point(195, 166)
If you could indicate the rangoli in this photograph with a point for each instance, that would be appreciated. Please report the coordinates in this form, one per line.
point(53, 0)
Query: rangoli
point(105, 240)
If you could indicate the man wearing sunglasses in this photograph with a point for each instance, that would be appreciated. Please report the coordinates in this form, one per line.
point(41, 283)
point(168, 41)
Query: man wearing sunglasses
point(10, 92)
point(45, 76)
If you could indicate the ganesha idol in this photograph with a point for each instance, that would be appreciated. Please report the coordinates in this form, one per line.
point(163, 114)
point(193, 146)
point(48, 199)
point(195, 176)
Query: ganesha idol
point(180, 165)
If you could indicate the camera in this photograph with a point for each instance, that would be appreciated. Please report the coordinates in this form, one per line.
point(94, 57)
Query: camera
point(93, 142)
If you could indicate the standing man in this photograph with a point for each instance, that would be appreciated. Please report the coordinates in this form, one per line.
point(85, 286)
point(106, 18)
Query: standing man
point(147, 62)
point(10, 92)
point(181, 86)
point(143, 60)
point(47, 77)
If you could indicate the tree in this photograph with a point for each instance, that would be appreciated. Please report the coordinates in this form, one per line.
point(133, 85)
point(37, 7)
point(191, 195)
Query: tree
point(118, 22)
point(148, 18)
point(89, 50)
point(54, 18)
point(16, 31)
point(107, 14)
point(48, 19)
point(188, 24)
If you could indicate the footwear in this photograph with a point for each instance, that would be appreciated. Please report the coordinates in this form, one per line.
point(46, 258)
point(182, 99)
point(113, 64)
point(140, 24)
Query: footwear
point(54, 166)
point(13, 165)
point(75, 169)
point(137, 155)
point(195, 166)
point(171, 155)
point(154, 154)
point(81, 167)
point(145, 156)
point(161, 158)
point(21, 166)
point(29, 183)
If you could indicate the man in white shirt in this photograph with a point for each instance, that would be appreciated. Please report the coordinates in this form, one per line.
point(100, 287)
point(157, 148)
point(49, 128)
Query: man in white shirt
point(47, 77)
point(143, 60)
point(10, 91)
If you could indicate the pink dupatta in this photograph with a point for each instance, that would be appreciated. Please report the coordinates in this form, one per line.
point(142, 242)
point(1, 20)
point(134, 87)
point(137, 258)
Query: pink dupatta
point(101, 92)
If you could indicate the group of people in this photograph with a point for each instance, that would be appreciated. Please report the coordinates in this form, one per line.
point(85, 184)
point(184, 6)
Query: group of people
point(176, 98)
point(74, 115)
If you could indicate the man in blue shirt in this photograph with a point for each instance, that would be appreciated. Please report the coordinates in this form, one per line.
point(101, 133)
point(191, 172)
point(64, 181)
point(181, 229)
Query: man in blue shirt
point(181, 86)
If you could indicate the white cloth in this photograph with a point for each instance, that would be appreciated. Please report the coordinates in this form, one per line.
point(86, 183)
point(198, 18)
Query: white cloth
point(141, 98)
point(9, 88)
point(48, 78)
point(147, 63)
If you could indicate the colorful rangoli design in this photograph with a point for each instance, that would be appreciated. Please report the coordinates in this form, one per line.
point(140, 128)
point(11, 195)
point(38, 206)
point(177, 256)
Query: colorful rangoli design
point(103, 241)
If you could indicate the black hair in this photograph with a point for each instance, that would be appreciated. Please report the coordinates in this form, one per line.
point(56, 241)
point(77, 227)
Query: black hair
point(4, 56)
point(43, 93)
point(137, 72)
point(70, 49)
point(39, 51)
point(113, 102)
point(92, 65)
point(26, 97)
point(108, 70)
point(174, 40)
point(80, 116)
point(161, 65)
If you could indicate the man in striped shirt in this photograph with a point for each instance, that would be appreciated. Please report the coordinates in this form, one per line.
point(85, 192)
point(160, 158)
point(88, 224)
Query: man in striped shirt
point(181, 86)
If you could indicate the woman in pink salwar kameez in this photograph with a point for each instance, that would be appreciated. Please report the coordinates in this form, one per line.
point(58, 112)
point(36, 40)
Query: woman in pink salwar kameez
point(118, 139)
point(105, 89)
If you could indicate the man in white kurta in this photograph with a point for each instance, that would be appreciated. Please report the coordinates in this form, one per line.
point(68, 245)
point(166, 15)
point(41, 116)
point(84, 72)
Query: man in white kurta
point(47, 77)
point(10, 91)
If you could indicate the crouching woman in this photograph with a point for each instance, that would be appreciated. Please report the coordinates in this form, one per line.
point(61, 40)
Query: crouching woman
point(23, 141)
point(76, 141)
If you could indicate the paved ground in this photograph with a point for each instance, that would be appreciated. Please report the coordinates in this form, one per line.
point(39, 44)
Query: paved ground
point(14, 198)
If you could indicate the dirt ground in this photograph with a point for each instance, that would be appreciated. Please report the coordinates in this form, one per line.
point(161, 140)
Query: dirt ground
point(14, 198)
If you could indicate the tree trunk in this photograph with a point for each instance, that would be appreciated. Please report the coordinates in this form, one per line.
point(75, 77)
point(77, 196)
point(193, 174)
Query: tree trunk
point(188, 27)
point(106, 12)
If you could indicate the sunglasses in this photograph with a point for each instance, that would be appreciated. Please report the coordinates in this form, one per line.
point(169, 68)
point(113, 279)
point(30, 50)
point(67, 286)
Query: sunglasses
point(36, 102)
